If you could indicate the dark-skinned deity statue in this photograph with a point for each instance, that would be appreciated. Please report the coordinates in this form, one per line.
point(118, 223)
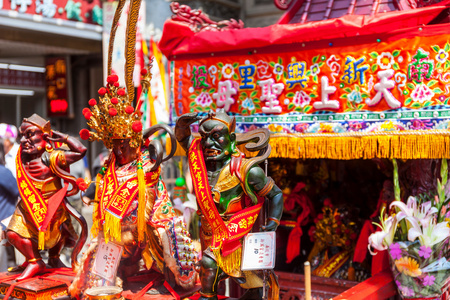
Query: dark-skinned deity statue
point(42, 219)
point(230, 191)
point(133, 214)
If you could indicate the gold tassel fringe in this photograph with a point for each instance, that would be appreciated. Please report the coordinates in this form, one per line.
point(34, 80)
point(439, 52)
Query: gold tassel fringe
point(229, 263)
point(112, 228)
point(142, 226)
point(431, 144)
point(95, 219)
point(346, 147)
point(95, 212)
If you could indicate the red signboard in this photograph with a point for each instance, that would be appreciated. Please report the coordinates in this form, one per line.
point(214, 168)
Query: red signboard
point(81, 11)
point(56, 87)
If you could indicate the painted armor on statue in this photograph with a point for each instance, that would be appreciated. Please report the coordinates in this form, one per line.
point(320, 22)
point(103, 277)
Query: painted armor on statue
point(230, 191)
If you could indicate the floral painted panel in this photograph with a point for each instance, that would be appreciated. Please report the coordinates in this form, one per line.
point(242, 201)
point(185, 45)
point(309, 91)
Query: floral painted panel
point(398, 83)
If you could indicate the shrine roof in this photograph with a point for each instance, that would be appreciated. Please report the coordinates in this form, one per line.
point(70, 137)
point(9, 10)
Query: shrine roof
point(303, 11)
point(179, 41)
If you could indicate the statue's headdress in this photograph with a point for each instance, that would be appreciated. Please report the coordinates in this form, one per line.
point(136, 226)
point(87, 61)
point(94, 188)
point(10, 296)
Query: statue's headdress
point(222, 117)
point(39, 122)
point(113, 116)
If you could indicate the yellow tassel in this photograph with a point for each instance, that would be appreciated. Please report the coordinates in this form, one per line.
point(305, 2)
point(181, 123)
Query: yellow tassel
point(112, 228)
point(41, 240)
point(142, 226)
point(95, 213)
point(95, 221)
point(230, 262)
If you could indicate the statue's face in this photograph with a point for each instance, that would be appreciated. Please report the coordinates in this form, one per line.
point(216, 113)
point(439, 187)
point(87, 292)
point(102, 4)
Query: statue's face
point(123, 152)
point(216, 140)
point(32, 139)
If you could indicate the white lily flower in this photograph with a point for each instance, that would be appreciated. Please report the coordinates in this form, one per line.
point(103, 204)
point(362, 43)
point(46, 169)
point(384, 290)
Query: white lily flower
point(428, 235)
point(381, 240)
point(424, 213)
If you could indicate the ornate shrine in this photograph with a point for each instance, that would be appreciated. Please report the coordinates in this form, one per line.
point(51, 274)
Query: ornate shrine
point(346, 77)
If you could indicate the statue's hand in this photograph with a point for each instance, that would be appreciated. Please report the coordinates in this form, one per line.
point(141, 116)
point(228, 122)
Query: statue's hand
point(187, 119)
point(58, 137)
point(271, 226)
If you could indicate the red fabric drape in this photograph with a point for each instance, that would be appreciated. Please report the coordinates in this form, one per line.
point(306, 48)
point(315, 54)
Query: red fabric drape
point(178, 39)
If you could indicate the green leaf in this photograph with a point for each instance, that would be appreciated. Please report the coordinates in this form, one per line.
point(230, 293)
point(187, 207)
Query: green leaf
point(446, 101)
point(408, 101)
point(373, 54)
point(235, 76)
point(437, 91)
point(192, 97)
point(198, 108)
point(315, 79)
point(253, 94)
point(313, 95)
point(314, 60)
point(290, 95)
point(343, 96)
point(192, 104)
point(364, 95)
point(447, 64)
point(410, 85)
point(350, 104)
point(308, 72)
point(348, 90)
point(272, 64)
point(235, 65)
point(290, 106)
point(212, 91)
point(396, 53)
point(427, 103)
point(431, 83)
point(357, 88)
point(447, 47)
point(374, 68)
point(257, 106)
point(395, 66)
point(438, 65)
point(307, 108)
point(213, 105)
point(416, 105)
point(299, 109)
point(320, 64)
point(220, 65)
point(360, 106)
point(280, 61)
point(435, 48)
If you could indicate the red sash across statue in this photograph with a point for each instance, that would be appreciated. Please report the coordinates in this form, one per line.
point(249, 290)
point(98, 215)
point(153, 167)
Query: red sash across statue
point(41, 210)
point(226, 238)
point(116, 199)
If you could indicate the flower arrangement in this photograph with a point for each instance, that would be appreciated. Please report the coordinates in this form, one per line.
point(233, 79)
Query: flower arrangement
point(416, 235)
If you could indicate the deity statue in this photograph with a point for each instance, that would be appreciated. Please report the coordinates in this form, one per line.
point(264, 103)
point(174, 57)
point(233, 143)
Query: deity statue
point(42, 219)
point(230, 192)
point(132, 210)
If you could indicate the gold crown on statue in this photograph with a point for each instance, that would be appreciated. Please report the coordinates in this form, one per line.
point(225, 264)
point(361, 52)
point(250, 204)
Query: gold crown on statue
point(113, 116)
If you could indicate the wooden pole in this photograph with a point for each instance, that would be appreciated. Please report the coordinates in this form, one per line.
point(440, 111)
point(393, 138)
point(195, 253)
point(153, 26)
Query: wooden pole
point(307, 281)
